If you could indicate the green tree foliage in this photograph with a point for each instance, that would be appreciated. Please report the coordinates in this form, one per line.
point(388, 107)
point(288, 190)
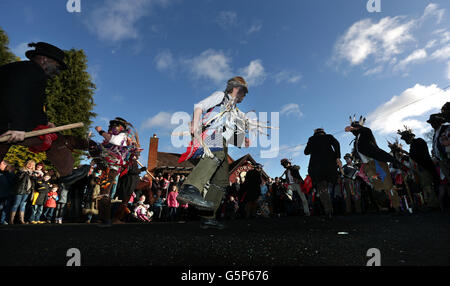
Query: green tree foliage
point(6, 56)
point(70, 96)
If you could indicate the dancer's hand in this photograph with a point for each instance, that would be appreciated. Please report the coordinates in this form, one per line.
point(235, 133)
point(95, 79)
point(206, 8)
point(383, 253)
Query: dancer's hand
point(16, 136)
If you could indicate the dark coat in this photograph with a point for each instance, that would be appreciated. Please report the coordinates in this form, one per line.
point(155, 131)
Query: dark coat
point(22, 96)
point(21, 187)
point(43, 188)
point(365, 144)
point(128, 182)
point(252, 186)
point(324, 150)
point(418, 151)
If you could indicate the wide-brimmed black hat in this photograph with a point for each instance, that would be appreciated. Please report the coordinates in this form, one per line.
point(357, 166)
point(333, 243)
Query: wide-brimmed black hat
point(120, 121)
point(47, 50)
point(437, 118)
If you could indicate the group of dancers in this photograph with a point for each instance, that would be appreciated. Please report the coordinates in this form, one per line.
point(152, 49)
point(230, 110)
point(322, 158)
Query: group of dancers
point(217, 122)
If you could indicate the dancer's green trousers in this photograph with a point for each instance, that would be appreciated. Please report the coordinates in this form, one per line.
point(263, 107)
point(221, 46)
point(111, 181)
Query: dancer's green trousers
point(214, 171)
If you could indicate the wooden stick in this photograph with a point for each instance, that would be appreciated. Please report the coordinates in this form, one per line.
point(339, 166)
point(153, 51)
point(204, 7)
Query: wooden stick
point(46, 131)
point(140, 164)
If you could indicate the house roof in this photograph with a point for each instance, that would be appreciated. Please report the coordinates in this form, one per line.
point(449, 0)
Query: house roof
point(170, 161)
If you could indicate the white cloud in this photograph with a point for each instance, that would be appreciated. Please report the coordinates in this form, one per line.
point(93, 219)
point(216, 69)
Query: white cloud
point(381, 40)
point(210, 64)
point(287, 76)
point(160, 120)
point(216, 66)
point(165, 61)
point(375, 70)
point(385, 45)
point(116, 20)
point(415, 56)
point(432, 10)
point(291, 109)
point(442, 54)
point(406, 108)
point(431, 44)
point(443, 34)
point(254, 73)
point(254, 28)
point(227, 19)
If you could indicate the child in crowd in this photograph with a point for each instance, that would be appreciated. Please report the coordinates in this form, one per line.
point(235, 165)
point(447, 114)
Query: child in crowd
point(50, 204)
point(43, 187)
point(158, 204)
point(39, 171)
point(172, 202)
point(141, 211)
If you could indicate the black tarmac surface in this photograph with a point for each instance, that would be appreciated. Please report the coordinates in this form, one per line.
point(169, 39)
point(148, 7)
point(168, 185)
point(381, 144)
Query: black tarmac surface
point(416, 240)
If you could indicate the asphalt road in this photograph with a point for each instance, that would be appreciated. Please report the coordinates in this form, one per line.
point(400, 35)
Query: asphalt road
point(417, 239)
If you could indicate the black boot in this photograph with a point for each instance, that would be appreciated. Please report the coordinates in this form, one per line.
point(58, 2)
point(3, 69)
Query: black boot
point(191, 195)
point(76, 175)
point(211, 223)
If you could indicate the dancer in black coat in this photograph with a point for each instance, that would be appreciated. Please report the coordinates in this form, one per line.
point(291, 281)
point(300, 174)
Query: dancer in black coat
point(325, 154)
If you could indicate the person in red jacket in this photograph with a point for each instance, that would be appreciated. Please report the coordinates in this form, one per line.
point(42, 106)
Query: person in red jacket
point(50, 204)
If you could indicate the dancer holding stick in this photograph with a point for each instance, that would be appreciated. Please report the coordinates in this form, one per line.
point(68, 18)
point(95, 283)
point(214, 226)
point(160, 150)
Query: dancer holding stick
point(22, 98)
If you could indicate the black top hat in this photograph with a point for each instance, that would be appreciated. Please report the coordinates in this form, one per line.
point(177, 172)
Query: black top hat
point(47, 50)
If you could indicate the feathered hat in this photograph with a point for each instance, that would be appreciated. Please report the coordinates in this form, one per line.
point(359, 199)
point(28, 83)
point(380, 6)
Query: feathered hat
point(396, 146)
point(406, 134)
point(357, 123)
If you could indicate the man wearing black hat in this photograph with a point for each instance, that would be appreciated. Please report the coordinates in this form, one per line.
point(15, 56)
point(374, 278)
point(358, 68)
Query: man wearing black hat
point(22, 98)
point(325, 154)
point(418, 152)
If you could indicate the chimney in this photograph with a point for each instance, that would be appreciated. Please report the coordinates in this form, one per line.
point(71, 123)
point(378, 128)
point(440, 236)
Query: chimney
point(152, 153)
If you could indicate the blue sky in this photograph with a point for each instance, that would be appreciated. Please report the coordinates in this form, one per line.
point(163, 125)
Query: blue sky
point(314, 62)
